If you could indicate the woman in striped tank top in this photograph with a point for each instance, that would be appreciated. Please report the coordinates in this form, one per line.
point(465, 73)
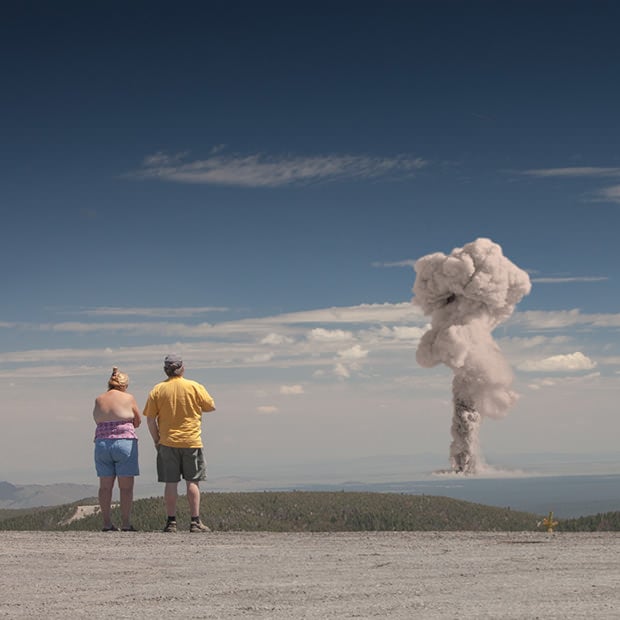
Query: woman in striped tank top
point(117, 416)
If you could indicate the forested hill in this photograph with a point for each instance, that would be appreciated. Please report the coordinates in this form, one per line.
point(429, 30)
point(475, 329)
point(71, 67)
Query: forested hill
point(296, 511)
point(300, 511)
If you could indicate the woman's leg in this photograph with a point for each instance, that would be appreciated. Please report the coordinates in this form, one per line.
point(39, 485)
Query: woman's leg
point(125, 485)
point(106, 486)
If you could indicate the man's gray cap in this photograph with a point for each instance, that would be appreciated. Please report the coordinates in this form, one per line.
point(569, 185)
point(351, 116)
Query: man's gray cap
point(172, 359)
point(173, 364)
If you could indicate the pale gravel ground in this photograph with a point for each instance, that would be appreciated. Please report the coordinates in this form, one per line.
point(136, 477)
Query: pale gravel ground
point(423, 575)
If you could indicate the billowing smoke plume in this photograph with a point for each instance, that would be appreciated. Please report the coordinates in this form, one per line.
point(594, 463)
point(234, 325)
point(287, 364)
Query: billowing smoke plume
point(468, 293)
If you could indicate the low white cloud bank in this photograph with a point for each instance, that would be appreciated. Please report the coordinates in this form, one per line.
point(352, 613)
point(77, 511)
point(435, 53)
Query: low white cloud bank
point(400, 332)
point(349, 361)
point(354, 353)
point(291, 390)
point(267, 409)
point(520, 343)
point(589, 379)
point(258, 358)
point(326, 341)
point(342, 371)
point(320, 334)
point(276, 339)
point(569, 362)
point(298, 338)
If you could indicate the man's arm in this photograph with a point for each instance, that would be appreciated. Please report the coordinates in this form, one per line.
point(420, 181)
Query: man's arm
point(208, 404)
point(153, 429)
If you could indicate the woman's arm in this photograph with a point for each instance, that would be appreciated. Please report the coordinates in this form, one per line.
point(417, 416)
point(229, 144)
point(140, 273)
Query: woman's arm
point(136, 413)
point(97, 411)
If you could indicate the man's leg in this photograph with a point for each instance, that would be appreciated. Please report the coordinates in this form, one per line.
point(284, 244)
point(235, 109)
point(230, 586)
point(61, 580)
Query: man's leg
point(169, 472)
point(170, 498)
point(106, 486)
point(125, 485)
point(193, 498)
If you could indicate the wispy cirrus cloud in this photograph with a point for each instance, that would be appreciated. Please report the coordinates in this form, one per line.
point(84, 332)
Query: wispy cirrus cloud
point(572, 171)
point(566, 279)
point(149, 312)
point(362, 313)
point(270, 330)
point(399, 263)
point(159, 328)
point(560, 319)
point(410, 263)
point(260, 170)
point(610, 194)
point(605, 194)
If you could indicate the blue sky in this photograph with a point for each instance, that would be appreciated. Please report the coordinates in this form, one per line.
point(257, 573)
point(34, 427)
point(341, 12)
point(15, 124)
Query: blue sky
point(250, 183)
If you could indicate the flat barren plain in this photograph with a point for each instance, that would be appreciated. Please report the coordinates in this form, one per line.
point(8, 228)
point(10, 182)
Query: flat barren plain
point(408, 575)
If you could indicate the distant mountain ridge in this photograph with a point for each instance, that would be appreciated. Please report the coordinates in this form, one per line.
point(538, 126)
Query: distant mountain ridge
point(568, 496)
point(35, 495)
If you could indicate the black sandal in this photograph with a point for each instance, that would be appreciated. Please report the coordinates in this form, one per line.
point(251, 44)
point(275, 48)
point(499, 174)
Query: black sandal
point(131, 528)
point(112, 528)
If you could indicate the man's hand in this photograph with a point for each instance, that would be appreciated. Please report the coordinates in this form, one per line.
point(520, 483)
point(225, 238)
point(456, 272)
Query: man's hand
point(153, 429)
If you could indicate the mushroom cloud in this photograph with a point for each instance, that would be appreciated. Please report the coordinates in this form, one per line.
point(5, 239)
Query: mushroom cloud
point(467, 294)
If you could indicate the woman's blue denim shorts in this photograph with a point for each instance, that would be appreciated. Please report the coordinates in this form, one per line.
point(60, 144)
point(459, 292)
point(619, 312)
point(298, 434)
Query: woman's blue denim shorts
point(116, 457)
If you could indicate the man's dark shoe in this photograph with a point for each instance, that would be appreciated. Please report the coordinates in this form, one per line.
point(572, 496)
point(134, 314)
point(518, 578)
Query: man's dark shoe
point(171, 526)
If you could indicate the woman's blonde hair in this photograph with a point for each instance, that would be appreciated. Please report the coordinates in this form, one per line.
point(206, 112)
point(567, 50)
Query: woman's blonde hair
point(118, 380)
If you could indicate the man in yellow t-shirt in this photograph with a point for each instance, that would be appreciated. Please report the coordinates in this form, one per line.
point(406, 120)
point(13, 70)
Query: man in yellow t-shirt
point(173, 413)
